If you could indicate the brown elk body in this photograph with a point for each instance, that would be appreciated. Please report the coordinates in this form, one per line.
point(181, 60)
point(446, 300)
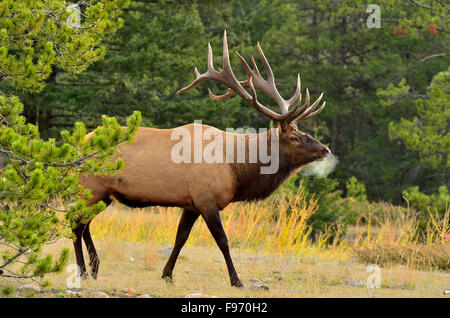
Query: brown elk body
point(151, 177)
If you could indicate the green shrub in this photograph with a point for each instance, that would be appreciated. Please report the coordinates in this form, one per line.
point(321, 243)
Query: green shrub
point(426, 204)
point(6, 291)
point(438, 202)
point(356, 189)
point(331, 207)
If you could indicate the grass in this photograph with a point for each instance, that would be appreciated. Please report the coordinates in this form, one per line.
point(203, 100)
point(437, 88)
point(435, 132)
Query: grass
point(396, 240)
point(270, 244)
point(201, 269)
point(250, 226)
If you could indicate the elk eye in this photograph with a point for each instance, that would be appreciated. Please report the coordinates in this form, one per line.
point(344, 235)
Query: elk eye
point(294, 139)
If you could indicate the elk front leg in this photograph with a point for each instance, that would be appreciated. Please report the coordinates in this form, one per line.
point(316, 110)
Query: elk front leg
point(94, 262)
point(187, 220)
point(212, 219)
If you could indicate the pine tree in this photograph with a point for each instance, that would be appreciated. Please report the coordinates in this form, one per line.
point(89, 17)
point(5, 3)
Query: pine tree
point(428, 132)
point(40, 198)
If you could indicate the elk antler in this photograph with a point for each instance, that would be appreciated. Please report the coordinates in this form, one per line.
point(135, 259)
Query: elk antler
point(306, 112)
point(255, 81)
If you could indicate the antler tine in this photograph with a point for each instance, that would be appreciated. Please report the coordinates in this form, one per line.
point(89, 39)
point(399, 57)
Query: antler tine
point(255, 67)
point(247, 68)
point(226, 56)
point(298, 89)
point(225, 76)
point(271, 80)
point(197, 80)
point(303, 114)
point(225, 65)
point(201, 77)
point(318, 111)
point(303, 108)
point(266, 64)
point(268, 86)
point(311, 108)
point(255, 74)
point(266, 111)
point(229, 93)
point(210, 59)
point(250, 74)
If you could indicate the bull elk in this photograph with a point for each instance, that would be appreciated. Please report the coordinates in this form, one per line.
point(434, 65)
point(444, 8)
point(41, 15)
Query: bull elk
point(150, 176)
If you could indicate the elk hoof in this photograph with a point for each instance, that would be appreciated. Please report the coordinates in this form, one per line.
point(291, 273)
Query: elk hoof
point(84, 276)
point(237, 284)
point(167, 278)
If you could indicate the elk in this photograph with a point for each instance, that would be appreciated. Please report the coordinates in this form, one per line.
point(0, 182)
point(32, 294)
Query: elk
point(150, 177)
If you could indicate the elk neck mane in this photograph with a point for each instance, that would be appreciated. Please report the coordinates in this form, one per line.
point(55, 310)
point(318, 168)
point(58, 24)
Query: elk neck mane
point(252, 184)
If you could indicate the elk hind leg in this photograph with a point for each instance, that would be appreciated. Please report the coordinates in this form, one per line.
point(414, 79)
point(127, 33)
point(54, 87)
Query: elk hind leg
point(78, 246)
point(82, 231)
point(187, 220)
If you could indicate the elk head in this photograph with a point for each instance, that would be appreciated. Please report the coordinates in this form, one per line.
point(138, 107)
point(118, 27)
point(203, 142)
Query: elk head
point(297, 147)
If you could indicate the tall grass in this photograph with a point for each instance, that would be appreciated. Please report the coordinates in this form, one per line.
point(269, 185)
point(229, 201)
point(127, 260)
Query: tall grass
point(280, 225)
point(397, 240)
point(273, 226)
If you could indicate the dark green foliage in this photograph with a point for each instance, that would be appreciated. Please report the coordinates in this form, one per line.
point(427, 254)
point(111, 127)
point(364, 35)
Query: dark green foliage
point(6, 291)
point(427, 133)
point(422, 202)
point(327, 196)
point(356, 189)
point(34, 36)
point(435, 204)
point(148, 60)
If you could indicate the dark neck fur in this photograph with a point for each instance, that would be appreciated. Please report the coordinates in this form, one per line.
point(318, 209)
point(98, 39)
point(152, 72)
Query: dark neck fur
point(252, 185)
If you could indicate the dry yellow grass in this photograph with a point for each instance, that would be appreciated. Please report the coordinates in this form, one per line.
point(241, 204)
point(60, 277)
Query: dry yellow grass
point(396, 240)
point(201, 269)
point(269, 241)
point(250, 226)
